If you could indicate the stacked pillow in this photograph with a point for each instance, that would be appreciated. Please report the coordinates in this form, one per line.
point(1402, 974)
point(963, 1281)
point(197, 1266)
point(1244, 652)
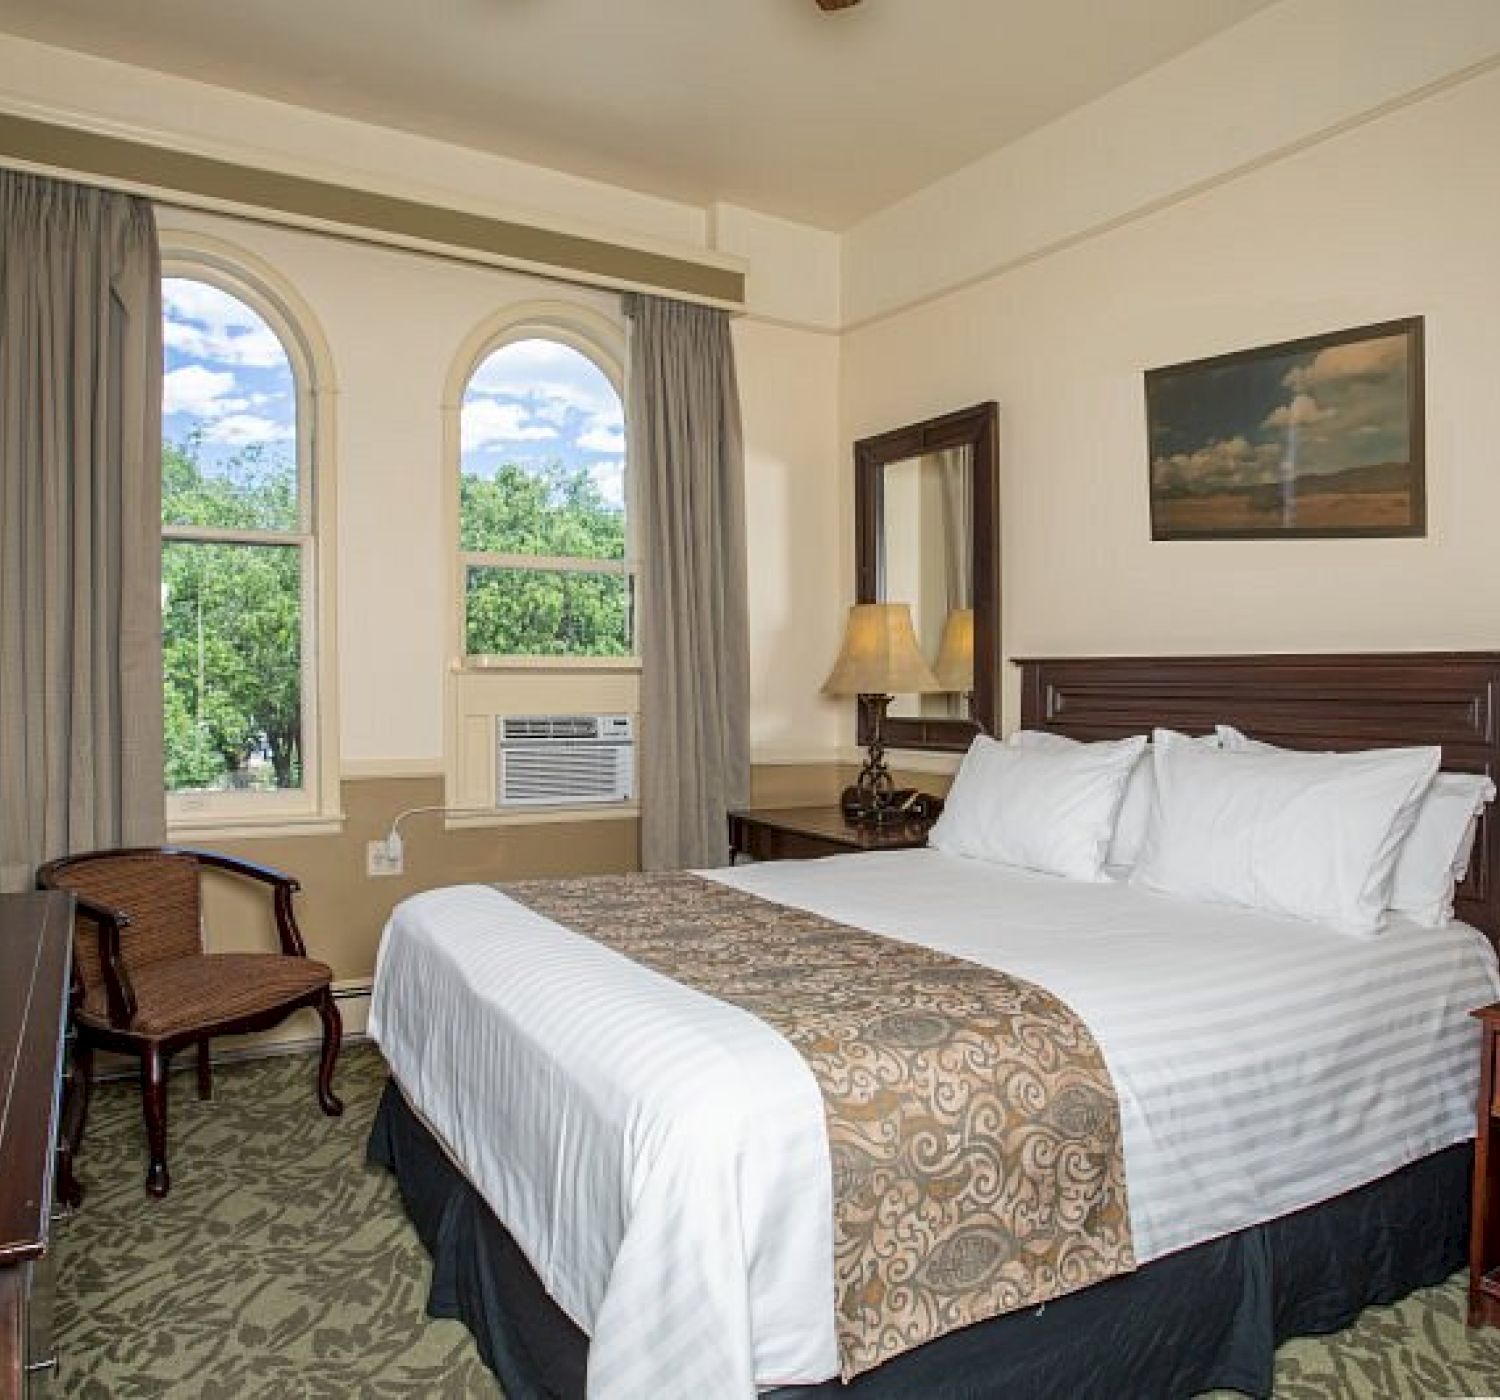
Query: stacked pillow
point(1333, 838)
point(1049, 807)
point(1434, 858)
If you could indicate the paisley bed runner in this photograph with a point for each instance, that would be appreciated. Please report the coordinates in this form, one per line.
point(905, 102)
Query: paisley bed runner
point(973, 1128)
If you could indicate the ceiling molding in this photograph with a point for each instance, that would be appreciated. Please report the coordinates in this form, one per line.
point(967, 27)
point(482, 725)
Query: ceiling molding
point(209, 182)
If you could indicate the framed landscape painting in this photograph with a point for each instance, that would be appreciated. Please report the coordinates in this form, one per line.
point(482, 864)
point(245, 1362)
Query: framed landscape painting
point(1312, 438)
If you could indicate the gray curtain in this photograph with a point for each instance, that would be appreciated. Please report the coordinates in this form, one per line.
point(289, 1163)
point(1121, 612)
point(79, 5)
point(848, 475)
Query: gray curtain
point(80, 523)
point(957, 478)
point(687, 455)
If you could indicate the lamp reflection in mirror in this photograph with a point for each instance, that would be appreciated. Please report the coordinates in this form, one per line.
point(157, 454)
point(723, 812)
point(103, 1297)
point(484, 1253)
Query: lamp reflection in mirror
point(879, 658)
point(954, 667)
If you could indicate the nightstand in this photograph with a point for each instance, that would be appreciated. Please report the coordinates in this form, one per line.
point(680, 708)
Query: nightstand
point(797, 833)
point(1484, 1236)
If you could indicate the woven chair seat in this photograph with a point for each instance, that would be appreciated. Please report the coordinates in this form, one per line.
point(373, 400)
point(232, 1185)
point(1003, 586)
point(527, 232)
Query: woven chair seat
point(202, 989)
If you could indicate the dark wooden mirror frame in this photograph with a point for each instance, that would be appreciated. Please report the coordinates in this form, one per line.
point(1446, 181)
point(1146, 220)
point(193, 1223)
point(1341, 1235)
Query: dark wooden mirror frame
point(978, 429)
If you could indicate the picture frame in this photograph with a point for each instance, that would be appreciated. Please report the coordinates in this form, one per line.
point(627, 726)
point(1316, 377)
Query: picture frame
point(1317, 438)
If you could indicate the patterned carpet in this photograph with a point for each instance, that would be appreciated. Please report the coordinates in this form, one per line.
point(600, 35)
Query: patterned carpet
point(281, 1266)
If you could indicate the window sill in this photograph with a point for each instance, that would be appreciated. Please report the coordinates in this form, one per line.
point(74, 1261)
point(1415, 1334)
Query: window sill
point(541, 816)
point(482, 664)
point(230, 827)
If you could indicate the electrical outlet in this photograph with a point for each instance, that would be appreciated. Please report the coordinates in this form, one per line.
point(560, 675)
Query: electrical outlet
point(379, 861)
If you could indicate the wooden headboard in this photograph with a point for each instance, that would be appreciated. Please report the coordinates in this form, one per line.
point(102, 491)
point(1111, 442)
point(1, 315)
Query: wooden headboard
point(1300, 702)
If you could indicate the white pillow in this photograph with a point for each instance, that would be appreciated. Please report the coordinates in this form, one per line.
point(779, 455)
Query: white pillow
point(1434, 858)
point(1136, 810)
point(1050, 809)
point(1311, 836)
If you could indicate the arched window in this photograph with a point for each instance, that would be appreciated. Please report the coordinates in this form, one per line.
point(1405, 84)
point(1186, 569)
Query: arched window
point(544, 527)
point(240, 566)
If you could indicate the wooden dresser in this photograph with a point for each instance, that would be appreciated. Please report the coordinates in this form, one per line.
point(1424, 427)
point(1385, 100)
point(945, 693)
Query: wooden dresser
point(36, 938)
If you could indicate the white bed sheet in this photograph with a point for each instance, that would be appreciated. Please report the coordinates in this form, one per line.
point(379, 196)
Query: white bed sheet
point(661, 1156)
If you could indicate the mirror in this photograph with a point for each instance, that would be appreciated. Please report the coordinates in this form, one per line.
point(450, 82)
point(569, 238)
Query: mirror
point(925, 505)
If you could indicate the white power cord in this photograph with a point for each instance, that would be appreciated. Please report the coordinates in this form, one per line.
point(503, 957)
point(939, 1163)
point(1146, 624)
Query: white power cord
point(394, 849)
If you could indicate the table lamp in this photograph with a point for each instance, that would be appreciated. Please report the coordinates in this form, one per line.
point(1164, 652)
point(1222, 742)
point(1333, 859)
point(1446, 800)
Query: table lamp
point(879, 658)
point(954, 667)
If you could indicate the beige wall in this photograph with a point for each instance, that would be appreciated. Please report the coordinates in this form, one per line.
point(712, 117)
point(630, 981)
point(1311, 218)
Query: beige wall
point(1289, 75)
point(1395, 217)
point(394, 323)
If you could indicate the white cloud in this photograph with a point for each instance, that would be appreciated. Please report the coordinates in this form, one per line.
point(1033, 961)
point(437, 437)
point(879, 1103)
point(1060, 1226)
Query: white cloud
point(244, 429)
point(602, 438)
point(1302, 410)
point(609, 477)
point(487, 421)
point(1225, 462)
point(1364, 359)
point(554, 376)
point(201, 393)
point(207, 324)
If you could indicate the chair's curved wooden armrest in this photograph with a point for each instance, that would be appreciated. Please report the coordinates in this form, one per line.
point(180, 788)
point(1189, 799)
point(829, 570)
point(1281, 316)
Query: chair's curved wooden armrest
point(118, 991)
point(251, 870)
point(283, 885)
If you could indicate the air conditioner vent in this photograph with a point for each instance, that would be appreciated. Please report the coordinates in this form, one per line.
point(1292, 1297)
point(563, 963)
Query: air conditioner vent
point(564, 760)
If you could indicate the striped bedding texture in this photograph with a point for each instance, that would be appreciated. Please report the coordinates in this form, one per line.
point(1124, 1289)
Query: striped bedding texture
point(662, 1158)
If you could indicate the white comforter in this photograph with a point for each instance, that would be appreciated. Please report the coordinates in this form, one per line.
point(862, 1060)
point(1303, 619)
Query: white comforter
point(661, 1156)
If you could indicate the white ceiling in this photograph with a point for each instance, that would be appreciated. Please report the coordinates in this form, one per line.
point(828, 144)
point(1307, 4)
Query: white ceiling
point(821, 118)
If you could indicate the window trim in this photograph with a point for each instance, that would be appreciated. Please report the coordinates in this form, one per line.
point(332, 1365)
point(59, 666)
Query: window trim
point(602, 341)
point(316, 806)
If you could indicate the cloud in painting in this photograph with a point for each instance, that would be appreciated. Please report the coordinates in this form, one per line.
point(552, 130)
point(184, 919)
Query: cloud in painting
point(1222, 464)
point(1342, 407)
point(1302, 410)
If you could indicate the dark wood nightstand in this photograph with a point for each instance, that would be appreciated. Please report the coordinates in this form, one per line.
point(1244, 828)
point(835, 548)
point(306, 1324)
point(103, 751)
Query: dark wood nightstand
point(1484, 1236)
point(797, 833)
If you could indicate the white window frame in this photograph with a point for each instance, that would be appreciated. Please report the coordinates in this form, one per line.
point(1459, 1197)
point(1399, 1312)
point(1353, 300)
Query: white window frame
point(315, 806)
point(602, 342)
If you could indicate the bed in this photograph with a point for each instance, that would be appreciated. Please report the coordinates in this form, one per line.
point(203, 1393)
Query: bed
point(1287, 1100)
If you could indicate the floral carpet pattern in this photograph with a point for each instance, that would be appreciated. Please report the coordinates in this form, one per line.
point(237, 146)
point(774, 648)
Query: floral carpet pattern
point(282, 1266)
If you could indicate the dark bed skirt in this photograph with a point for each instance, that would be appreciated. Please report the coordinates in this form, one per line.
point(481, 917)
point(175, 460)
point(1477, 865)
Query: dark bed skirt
point(1211, 1316)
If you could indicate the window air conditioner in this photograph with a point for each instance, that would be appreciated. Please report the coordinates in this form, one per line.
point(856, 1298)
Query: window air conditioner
point(563, 760)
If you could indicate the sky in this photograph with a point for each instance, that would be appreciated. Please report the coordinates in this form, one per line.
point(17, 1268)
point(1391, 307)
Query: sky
point(1288, 415)
point(532, 403)
point(536, 402)
point(227, 374)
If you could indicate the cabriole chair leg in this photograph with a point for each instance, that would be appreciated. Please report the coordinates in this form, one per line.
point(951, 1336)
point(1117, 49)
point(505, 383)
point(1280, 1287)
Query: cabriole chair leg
point(154, 1099)
point(205, 1072)
point(333, 1030)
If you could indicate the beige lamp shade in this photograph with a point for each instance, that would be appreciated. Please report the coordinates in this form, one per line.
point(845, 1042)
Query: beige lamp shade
point(954, 667)
point(880, 655)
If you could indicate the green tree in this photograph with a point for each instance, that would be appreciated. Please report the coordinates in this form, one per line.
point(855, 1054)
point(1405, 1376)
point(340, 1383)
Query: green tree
point(231, 613)
point(555, 511)
point(231, 622)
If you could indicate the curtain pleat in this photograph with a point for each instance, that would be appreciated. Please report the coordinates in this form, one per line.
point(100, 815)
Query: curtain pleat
point(687, 456)
point(80, 523)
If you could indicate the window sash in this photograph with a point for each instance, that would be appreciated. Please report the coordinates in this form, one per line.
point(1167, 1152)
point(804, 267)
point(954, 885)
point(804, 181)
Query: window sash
point(214, 534)
point(189, 806)
point(544, 563)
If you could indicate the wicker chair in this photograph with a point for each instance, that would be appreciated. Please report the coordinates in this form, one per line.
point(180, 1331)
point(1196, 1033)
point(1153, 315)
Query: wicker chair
point(149, 989)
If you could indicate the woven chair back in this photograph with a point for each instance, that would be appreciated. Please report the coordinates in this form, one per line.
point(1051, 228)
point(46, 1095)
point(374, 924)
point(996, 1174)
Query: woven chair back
point(160, 893)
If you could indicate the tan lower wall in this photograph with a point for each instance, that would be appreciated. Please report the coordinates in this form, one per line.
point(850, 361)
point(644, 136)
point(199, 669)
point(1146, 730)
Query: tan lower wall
point(342, 911)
